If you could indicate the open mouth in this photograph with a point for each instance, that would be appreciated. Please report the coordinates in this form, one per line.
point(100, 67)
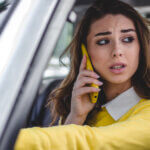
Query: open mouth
point(118, 66)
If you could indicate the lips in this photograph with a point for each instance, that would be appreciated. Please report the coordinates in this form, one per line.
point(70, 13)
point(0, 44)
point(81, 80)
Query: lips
point(117, 67)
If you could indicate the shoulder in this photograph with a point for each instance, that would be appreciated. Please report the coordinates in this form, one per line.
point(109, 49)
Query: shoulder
point(142, 109)
point(143, 103)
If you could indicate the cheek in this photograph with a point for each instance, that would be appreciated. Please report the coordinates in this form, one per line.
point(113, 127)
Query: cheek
point(133, 54)
point(99, 58)
point(133, 59)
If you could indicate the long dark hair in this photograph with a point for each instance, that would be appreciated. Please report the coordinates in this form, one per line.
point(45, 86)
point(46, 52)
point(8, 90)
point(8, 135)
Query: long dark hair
point(60, 98)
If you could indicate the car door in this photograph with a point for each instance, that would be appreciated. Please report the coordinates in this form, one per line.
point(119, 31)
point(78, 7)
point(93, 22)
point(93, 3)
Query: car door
point(27, 41)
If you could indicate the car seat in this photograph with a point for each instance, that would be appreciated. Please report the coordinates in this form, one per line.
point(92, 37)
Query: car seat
point(40, 115)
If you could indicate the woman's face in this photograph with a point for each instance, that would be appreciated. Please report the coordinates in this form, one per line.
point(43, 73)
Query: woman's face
point(113, 46)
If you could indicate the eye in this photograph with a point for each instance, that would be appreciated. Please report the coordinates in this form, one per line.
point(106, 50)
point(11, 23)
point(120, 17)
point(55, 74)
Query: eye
point(128, 39)
point(102, 42)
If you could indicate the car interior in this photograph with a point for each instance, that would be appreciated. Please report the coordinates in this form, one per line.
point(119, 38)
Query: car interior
point(38, 114)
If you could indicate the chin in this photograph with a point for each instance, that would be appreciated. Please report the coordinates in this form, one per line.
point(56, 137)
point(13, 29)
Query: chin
point(118, 80)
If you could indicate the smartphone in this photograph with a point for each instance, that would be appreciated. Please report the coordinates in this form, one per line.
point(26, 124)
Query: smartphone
point(93, 96)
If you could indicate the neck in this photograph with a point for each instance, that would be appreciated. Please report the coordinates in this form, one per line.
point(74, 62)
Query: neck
point(113, 90)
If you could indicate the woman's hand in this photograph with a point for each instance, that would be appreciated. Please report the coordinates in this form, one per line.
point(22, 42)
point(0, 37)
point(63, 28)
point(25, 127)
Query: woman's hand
point(80, 101)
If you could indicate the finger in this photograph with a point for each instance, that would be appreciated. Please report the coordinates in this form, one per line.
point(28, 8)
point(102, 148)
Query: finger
point(83, 63)
point(86, 90)
point(88, 73)
point(87, 80)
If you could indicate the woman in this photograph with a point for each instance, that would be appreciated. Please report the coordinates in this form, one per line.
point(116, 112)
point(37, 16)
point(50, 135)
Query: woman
point(138, 76)
point(117, 40)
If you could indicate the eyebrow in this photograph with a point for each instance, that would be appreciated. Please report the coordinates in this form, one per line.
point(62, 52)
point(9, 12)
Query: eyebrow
point(103, 33)
point(127, 30)
point(108, 32)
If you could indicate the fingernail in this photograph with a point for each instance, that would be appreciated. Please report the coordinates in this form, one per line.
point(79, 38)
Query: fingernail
point(98, 89)
point(100, 83)
point(96, 75)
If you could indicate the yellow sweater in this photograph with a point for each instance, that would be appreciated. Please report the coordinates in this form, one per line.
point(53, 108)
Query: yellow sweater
point(130, 132)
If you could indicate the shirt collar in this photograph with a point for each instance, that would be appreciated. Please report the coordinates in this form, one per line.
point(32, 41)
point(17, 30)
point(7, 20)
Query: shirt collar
point(122, 103)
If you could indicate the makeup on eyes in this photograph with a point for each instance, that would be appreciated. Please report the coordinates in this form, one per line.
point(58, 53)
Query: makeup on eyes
point(102, 41)
point(126, 38)
point(130, 37)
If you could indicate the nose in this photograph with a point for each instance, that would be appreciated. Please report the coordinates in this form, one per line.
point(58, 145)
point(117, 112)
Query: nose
point(116, 50)
point(117, 53)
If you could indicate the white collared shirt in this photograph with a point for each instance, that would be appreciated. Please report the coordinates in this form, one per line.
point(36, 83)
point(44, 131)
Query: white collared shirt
point(122, 103)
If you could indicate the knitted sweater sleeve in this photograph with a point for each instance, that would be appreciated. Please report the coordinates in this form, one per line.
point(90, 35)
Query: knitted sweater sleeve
point(133, 133)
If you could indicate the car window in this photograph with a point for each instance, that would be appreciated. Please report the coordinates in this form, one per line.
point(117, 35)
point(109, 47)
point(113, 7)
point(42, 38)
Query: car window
point(144, 11)
point(58, 68)
point(54, 67)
